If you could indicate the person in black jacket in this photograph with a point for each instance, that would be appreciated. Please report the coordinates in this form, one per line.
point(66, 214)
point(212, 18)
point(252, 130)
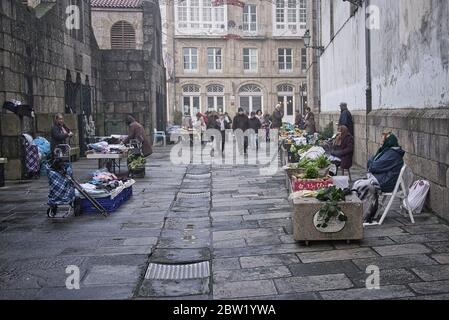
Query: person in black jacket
point(241, 122)
point(59, 133)
point(255, 124)
point(346, 118)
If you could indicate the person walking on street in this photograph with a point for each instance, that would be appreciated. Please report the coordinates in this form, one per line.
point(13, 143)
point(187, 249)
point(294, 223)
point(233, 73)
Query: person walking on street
point(278, 114)
point(222, 125)
point(241, 122)
point(346, 118)
point(200, 125)
point(254, 123)
point(309, 121)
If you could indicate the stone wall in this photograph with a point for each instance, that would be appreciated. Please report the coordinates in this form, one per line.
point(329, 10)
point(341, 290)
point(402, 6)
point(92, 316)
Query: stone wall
point(423, 134)
point(35, 55)
point(126, 83)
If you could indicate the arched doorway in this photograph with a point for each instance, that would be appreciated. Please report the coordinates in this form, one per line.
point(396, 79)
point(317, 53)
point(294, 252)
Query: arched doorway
point(215, 98)
point(251, 98)
point(191, 99)
point(286, 97)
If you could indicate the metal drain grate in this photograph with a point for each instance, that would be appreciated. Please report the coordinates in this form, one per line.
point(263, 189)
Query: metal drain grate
point(193, 195)
point(178, 271)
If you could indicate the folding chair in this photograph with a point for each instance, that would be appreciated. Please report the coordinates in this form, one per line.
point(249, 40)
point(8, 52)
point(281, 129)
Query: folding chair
point(159, 134)
point(401, 191)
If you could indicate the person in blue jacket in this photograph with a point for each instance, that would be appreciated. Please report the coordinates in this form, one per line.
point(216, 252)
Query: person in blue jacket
point(386, 165)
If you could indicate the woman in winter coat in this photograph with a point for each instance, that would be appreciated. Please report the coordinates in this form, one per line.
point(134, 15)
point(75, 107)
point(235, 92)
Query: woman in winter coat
point(386, 165)
point(343, 148)
point(309, 120)
point(137, 132)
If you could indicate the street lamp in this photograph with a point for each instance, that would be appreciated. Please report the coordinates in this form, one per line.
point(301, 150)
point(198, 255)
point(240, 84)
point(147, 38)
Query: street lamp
point(307, 39)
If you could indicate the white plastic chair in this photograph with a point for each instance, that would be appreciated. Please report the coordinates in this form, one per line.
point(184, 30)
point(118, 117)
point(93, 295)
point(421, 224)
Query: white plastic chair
point(401, 191)
point(159, 134)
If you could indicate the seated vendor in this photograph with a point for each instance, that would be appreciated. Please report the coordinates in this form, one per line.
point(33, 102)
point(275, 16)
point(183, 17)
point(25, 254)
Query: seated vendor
point(343, 147)
point(137, 132)
point(386, 165)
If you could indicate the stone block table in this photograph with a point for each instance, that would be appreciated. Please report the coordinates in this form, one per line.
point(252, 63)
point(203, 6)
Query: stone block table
point(305, 215)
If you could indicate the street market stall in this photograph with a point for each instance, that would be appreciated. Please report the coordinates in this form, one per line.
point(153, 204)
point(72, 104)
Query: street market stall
point(324, 206)
point(112, 154)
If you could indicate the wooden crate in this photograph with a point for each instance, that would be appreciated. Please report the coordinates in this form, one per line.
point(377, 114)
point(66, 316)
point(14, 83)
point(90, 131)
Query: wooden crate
point(305, 211)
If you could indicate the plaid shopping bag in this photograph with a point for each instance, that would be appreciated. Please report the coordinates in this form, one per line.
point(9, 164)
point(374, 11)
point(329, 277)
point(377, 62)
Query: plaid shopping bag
point(61, 191)
point(32, 159)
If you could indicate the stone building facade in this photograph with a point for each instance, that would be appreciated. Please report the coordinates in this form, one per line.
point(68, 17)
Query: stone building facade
point(60, 69)
point(394, 75)
point(129, 36)
point(227, 56)
point(48, 66)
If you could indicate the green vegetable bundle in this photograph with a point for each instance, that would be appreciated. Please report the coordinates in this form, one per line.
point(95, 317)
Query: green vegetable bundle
point(136, 162)
point(330, 210)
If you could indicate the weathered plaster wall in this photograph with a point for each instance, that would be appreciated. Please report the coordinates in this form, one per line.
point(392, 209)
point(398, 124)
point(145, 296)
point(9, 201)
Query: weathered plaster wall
point(342, 65)
point(410, 62)
point(410, 55)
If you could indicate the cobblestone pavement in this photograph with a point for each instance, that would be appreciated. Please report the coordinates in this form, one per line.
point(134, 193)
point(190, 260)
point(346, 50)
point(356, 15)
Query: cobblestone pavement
point(231, 216)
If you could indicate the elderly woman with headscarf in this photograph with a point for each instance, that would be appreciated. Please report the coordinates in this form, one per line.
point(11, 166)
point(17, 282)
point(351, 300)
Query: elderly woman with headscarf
point(386, 165)
point(343, 147)
point(137, 132)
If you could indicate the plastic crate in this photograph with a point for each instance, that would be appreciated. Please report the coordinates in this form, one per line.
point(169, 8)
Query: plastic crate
point(111, 205)
point(312, 185)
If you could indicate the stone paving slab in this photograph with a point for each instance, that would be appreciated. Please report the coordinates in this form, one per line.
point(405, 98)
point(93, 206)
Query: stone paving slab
point(259, 273)
point(433, 287)
point(268, 260)
point(402, 249)
point(335, 255)
point(407, 261)
point(313, 283)
point(385, 292)
point(244, 289)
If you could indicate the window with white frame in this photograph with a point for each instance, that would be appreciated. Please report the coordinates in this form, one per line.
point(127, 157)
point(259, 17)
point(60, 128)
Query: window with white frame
point(290, 15)
point(215, 98)
point(250, 17)
point(200, 15)
point(191, 99)
point(303, 59)
point(285, 59)
point(250, 59)
point(190, 58)
point(214, 59)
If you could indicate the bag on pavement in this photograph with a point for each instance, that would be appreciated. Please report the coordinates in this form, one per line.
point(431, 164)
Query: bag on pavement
point(417, 195)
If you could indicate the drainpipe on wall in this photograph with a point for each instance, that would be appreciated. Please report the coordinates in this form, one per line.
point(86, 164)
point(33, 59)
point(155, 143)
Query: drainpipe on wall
point(369, 94)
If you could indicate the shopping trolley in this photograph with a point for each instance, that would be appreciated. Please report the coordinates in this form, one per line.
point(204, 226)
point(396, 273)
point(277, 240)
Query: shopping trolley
point(62, 185)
